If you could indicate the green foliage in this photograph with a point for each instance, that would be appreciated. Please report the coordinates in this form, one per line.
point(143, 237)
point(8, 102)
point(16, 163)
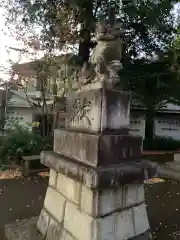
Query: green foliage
point(148, 25)
point(162, 144)
point(154, 82)
point(148, 32)
point(20, 140)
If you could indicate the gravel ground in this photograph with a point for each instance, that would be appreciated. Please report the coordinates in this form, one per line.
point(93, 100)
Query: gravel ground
point(23, 198)
point(20, 199)
point(163, 205)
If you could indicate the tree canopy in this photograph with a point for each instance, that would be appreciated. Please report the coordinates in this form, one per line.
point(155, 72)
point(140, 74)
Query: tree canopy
point(148, 26)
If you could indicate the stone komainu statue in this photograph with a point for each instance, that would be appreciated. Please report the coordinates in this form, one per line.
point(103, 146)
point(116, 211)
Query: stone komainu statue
point(105, 62)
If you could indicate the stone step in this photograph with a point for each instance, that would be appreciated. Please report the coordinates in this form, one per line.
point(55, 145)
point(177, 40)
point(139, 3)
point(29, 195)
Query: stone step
point(174, 166)
point(168, 173)
point(177, 157)
point(22, 230)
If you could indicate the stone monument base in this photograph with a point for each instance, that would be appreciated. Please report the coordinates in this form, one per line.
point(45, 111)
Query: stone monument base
point(78, 207)
point(85, 203)
point(171, 170)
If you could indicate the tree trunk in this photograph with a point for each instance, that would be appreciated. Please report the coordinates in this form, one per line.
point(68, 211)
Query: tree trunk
point(2, 122)
point(84, 46)
point(4, 108)
point(42, 80)
point(149, 126)
point(85, 32)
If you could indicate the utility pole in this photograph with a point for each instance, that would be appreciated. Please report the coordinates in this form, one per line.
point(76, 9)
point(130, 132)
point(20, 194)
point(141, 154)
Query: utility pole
point(4, 107)
point(6, 99)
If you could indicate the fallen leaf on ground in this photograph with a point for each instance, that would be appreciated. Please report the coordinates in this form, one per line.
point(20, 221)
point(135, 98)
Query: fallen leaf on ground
point(44, 174)
point(154, 180)
point(9, 174)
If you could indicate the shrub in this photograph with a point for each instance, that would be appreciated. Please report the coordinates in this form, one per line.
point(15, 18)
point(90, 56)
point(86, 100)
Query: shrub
point(21, 141)
point(162, 143)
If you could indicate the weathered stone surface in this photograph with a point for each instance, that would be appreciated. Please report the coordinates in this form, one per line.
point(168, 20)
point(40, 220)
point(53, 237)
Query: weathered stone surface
point(116, 226)
point(52, 178)
point(97, 150)
point(141, 223)
point(175, 166)
point(78, 146)
point(119, 226)
point(70, 188)
point(145, 236)
point(54, 230)
point(43, 222)
point(89, 201)
point(140, 193)
point(105, 228)
point(76, 223)
point(132, 194)
point(54, 203)
point(98, 110)
point(66, 236)
point(101, 202)
point(124, 225)
point(177, 157)
point(132, 172)
point(167, 173)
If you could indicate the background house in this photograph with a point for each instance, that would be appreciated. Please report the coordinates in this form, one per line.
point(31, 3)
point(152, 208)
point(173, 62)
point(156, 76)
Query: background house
point(18, 110)
point(166, 121)
point(20, 104)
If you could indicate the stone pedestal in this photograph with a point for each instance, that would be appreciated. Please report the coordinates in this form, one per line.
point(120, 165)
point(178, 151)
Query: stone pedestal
point(171, 170)
point(96, 189)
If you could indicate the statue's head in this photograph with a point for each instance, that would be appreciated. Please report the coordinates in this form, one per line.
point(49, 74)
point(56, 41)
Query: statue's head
point(108, 32)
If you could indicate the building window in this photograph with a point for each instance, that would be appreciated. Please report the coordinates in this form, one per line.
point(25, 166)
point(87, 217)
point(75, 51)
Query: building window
point(169, 129)
point(135, 121)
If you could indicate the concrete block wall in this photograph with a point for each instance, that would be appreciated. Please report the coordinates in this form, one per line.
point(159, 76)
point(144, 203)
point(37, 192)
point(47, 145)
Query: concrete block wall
point(72, 211)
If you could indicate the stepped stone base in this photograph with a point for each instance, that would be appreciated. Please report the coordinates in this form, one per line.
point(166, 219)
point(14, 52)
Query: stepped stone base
point(22, 230)
point(99, 177)
point(74, 211)
point(177, 157)
point(26, 230)
point(173, 166)
point(171, 171)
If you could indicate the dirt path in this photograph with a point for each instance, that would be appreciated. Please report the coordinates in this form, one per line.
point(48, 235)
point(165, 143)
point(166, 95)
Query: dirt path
point(163, 204)
point(20, 199)
point(23, 198)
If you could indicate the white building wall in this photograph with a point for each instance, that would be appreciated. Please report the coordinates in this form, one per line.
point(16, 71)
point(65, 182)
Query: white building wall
point(163, 127)
point(21, 115)
point(137, 126)
point(167, 127)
